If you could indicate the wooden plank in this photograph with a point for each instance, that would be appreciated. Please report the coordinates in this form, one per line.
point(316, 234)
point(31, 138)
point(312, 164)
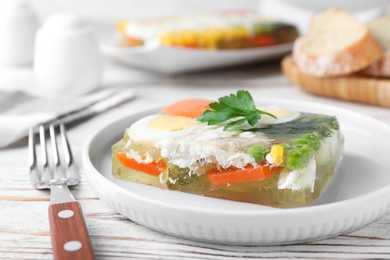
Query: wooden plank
point(357, 88)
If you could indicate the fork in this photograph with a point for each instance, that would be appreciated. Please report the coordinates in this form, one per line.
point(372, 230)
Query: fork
point(69, 235)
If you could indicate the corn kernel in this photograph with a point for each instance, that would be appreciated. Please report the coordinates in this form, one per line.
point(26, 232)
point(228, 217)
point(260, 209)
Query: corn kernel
point(121, 25)
point(277, 154)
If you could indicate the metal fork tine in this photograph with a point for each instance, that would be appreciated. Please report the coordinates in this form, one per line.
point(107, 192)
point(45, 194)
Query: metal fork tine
point(72, 174)
point(32, 155)
point(54, 146)
point(42, 140)
point(67, 150)
point(45, 173)
point(32, 158)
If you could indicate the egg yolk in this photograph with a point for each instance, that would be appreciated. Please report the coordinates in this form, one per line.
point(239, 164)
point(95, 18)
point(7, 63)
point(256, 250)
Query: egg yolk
point(171, 123)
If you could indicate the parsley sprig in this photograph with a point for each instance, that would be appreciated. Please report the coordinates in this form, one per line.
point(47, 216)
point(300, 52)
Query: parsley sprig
point(239, 106)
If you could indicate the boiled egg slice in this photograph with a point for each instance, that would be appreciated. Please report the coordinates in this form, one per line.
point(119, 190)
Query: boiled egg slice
point(157, 127)
point(282, 115)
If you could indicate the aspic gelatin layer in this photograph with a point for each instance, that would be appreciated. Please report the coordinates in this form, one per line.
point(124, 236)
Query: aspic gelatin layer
point(281, 158)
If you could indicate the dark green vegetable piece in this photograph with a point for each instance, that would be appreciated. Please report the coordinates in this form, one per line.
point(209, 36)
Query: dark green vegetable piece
point(181, 176)
point(323, 126)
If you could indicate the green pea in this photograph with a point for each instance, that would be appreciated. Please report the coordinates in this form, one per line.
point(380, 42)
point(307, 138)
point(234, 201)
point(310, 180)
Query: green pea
point(301, 141)
point(314, 140)
point(299, 157)
point(258, 152)
point(307, 149)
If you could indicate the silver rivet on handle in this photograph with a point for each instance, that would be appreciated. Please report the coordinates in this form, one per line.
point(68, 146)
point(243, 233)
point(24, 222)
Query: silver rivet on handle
point(66, 213)
point(73, 245)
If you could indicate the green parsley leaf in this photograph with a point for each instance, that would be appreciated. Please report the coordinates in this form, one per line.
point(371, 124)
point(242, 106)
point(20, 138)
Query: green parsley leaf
point(240, 106)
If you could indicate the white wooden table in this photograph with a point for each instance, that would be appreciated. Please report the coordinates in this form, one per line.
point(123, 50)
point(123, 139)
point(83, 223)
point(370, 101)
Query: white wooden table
point(24, 228)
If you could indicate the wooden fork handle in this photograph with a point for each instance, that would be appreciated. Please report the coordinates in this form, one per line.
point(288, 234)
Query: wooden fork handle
point(69, 235)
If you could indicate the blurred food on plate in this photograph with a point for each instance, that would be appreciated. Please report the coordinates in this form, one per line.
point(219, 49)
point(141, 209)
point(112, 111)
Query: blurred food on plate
point(217, 30)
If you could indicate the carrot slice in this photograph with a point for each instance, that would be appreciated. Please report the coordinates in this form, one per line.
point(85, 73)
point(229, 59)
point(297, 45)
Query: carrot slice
point(262, 40)
point(188, 107)
point(153, 168)
point(237, 175)
point(133, 41)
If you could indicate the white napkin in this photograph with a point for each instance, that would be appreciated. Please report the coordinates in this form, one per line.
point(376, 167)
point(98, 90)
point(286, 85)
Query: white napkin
point(19, 111)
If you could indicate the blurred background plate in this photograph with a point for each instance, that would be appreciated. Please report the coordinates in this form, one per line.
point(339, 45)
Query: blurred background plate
point(169, 60)
point(176, 60)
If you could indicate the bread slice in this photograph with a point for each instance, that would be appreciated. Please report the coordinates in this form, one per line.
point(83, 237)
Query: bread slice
point(380, 28)
point(336, 44)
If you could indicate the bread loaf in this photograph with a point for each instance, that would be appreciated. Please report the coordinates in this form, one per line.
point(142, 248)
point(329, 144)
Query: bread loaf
point(336, 44)
point(380, 28)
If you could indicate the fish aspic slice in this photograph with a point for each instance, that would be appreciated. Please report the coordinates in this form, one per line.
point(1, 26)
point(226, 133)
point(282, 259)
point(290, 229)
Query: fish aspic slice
point(231, 149)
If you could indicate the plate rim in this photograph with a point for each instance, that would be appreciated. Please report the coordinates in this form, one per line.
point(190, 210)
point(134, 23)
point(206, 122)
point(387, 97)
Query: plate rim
point(110, 48)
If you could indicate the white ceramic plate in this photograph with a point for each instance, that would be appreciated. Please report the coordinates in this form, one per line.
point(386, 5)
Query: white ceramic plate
point(358, 195)
point(174, 60)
